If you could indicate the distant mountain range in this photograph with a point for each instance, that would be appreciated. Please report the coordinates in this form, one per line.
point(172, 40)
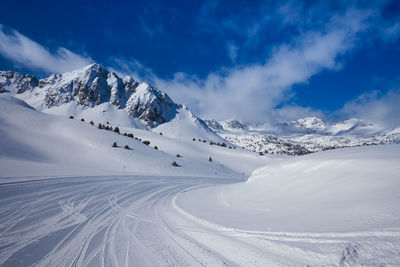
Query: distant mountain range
point(303, 136)
point(94, 93)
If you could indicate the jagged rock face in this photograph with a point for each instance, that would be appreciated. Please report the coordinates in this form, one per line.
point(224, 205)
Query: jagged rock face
point(94, 85)
point(151, 105)
point(17, 82)
point(214, 125)
point(90, 86)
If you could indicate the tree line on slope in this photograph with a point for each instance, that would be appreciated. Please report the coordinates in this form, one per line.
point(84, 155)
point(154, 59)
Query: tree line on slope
point(146, 142)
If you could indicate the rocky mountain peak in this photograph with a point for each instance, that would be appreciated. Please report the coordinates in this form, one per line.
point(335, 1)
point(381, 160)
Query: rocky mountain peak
point(151, 105)
point(91, 86)
point(11, 81)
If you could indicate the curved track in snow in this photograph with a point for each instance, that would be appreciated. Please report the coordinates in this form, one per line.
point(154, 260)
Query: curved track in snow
point(134, 221)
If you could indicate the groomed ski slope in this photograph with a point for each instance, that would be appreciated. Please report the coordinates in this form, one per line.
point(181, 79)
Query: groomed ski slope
point(159, 221)
point(99, 221)
point(331, 208)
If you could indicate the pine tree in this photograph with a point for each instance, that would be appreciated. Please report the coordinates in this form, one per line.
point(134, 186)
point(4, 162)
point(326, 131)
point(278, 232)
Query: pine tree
point(116, 129)
point(115, 144)
point(210, 159)
point(175, 164)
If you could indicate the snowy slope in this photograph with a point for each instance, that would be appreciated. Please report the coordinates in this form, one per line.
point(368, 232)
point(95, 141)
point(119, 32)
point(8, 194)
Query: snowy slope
point(35, 143)
point(186, 125)
point(330, 208)
point(340, 190)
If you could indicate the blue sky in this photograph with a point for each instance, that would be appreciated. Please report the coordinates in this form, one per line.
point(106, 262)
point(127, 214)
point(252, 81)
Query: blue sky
point(251, 60)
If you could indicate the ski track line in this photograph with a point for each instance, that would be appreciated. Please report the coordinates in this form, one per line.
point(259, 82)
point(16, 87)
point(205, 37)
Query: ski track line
point(136, 221)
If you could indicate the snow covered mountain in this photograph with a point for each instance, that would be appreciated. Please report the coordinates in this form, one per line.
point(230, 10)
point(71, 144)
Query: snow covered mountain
point(96, 94)
point(309, 124)
point(303, 136)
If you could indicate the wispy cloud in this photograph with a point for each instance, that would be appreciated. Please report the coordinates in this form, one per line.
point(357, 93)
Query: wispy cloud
point(377, 107)
point(23, 51)
point(256, 90)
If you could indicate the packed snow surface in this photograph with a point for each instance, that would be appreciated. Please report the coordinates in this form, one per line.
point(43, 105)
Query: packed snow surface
point(328, 208)
point(312, 213)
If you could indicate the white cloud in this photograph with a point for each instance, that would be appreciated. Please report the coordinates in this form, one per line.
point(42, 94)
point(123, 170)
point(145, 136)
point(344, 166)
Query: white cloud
point(25, 52)
point(375, 107)
point(253, 92)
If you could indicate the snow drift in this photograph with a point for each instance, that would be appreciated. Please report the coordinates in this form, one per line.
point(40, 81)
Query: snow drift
point(353, 189)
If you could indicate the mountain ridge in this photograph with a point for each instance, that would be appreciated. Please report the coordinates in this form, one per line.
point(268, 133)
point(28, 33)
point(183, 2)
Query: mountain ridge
point(97, 94)
point(303, 136)
point(95, 88)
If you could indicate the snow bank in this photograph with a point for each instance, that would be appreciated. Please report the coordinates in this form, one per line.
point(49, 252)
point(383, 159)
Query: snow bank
point(354, 189)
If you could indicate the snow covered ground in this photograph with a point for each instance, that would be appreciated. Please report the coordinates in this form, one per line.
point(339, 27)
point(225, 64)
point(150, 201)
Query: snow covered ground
point(68, 198)
point(39, 144)
point(158, 221)
point(98, 221)
point(329, 208)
